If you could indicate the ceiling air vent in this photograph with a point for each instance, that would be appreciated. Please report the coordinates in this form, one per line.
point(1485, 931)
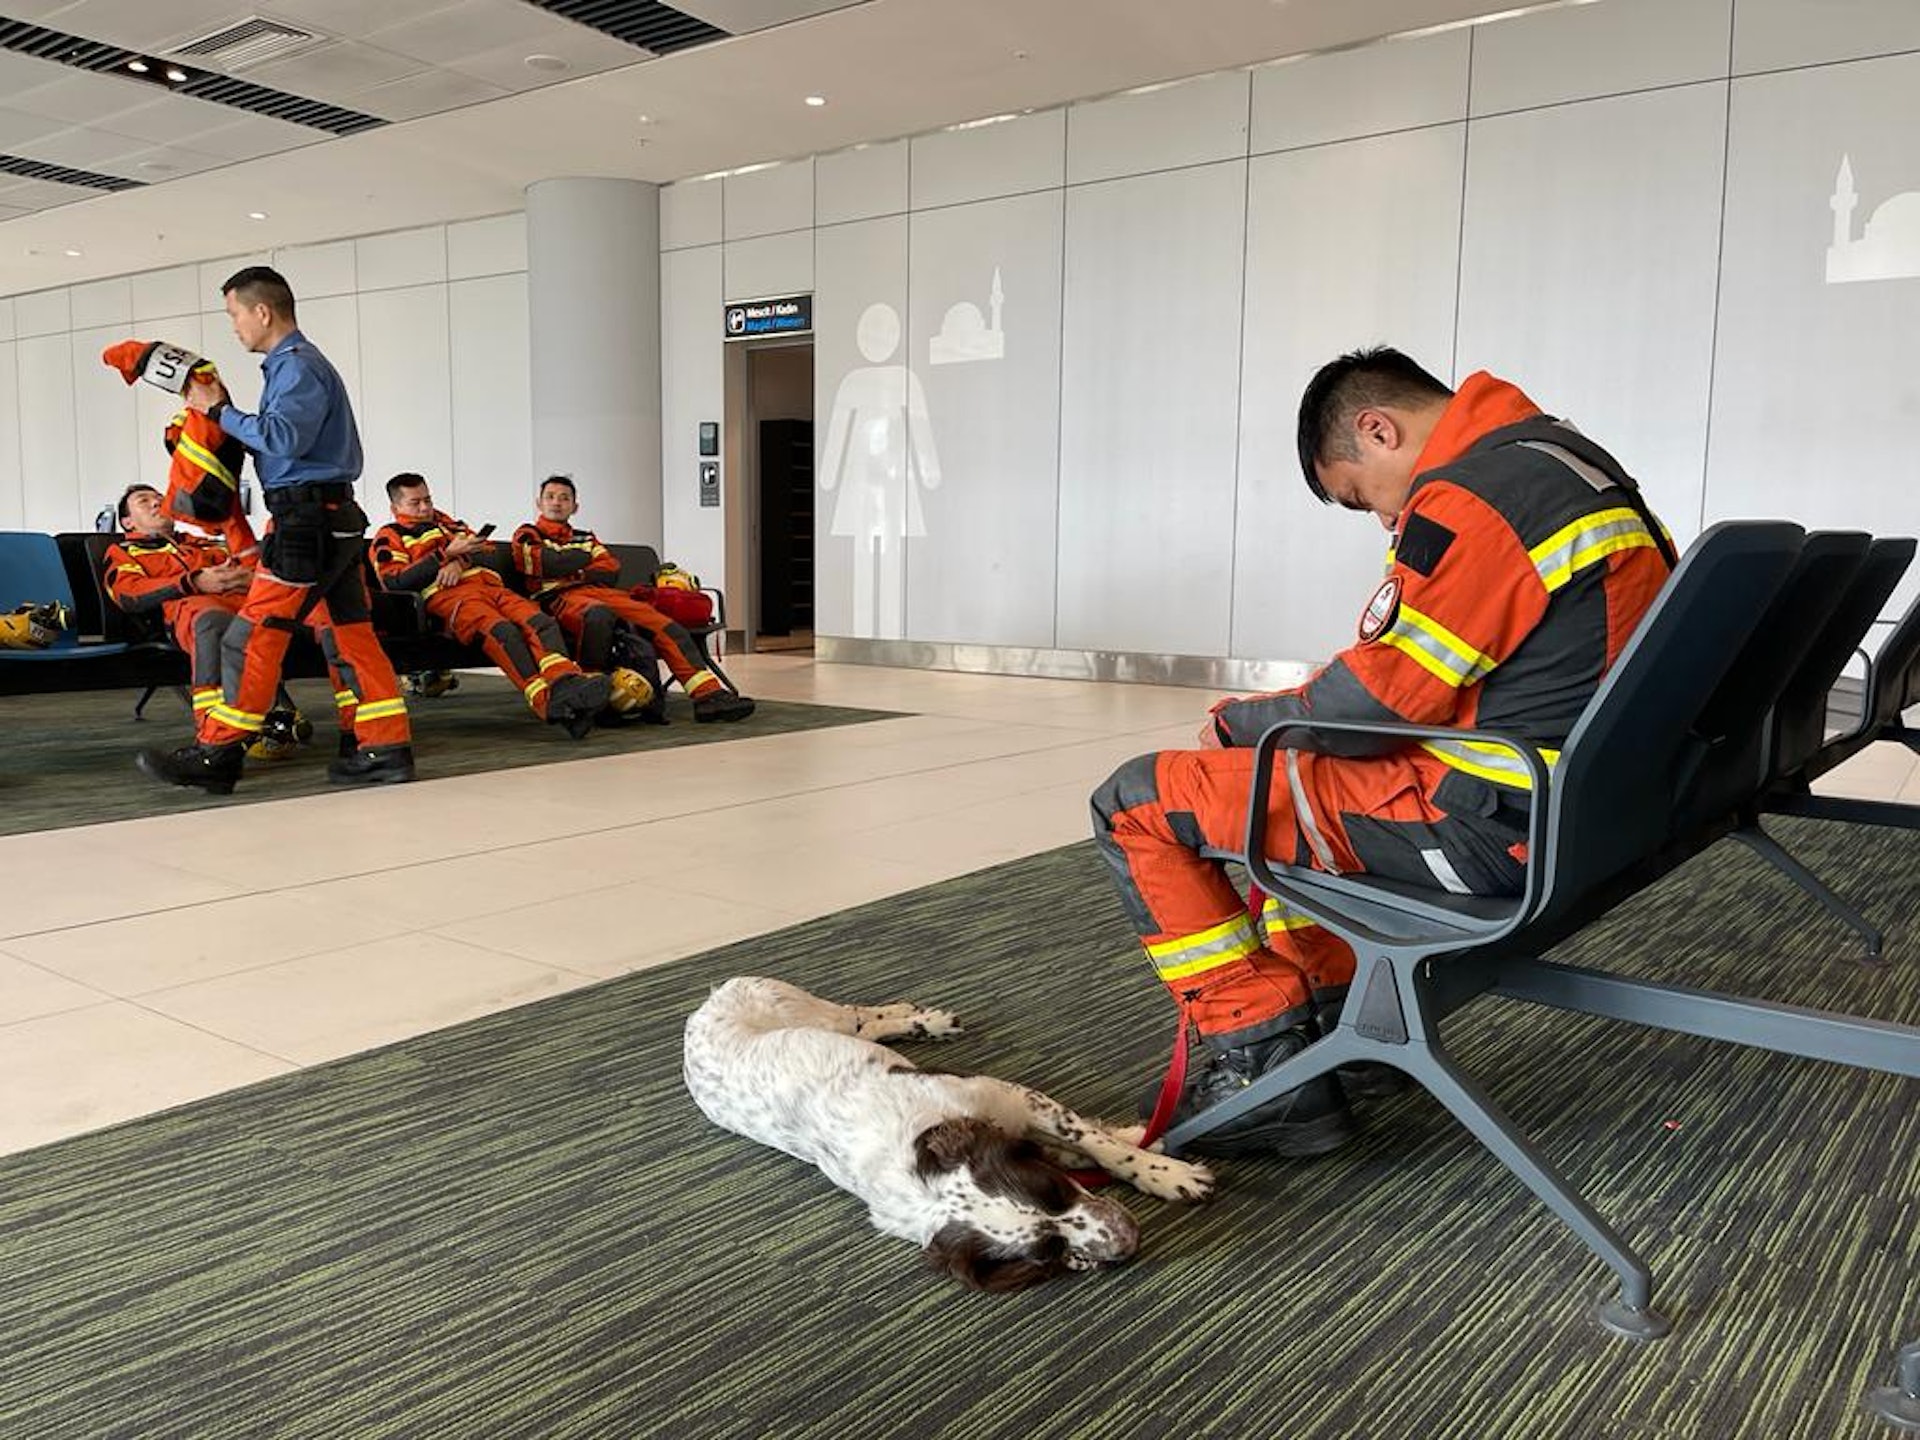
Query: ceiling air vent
point(645, 23)
point(250, 42)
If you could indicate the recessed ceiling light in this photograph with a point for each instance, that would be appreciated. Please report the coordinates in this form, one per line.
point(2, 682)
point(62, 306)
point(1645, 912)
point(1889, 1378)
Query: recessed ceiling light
point(159, 167)
point(139, 67)
point(544, 62)
point(176, 74)
point(75, 254)
point(256, 214)
point(816, 101)
point(646, 120)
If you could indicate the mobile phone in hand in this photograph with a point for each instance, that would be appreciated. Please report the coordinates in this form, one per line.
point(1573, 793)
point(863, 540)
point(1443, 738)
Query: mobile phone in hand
point(485, 530)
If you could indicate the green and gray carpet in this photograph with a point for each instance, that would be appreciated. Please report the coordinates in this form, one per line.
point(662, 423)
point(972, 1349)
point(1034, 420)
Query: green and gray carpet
point(523, 1228)
point(68, 758)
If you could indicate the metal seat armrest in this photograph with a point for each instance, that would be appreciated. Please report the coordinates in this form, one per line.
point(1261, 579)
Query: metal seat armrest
point(719, 605)
point(1269, 878)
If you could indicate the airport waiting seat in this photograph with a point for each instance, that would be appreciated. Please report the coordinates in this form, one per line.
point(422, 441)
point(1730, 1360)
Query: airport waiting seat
point(1601, 829)
point(639, 564)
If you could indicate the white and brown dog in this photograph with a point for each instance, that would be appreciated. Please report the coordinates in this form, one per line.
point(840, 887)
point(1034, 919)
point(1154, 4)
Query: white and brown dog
point(967, 1166)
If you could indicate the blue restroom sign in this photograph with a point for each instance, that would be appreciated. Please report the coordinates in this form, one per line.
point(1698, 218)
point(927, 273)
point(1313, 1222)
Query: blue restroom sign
point(778, 315)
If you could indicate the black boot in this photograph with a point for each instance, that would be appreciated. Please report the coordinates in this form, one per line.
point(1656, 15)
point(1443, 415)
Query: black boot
point(1366, 1079)
point(376, 765)
point(213, 768)
point(722, 704)
point(1299, 1123)
point(574, 700)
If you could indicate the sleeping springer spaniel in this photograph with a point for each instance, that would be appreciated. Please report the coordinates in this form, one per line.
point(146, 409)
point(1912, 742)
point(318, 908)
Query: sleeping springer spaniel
point(967, 1166)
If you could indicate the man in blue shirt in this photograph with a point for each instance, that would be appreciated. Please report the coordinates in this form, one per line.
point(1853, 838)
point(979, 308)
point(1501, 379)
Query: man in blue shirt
point(306, 450)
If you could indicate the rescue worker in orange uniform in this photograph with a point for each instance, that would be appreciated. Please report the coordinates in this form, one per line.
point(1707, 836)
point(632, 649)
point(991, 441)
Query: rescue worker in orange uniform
point(573, 577)
point(203, 482)
point(1523, 558)
point(426, 551)
point(306, 449)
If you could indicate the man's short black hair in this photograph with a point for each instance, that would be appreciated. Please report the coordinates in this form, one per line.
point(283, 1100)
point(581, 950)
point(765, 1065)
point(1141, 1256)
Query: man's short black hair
point(126, 495)
point(405, 480)
point(566, 480)
point(1356, 381)
point(261, 285)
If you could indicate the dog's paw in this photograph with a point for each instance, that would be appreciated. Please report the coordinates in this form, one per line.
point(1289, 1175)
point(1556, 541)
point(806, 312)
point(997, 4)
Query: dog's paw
point(934, 1025)
point(1166, 1178)
point(1129, 1135)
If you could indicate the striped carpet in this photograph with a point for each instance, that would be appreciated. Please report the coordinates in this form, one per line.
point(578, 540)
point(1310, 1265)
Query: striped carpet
point(68, 758)
point(522, 1227)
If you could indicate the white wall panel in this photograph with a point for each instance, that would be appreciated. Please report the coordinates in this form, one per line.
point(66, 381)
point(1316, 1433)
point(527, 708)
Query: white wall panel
point(44, 312)
point(690, 391)
point(984, 568)
point(239, 369)
point(770, 201)
point(1148, 408)
point(6, 319)
point(976, 162)
point(333, 324)
point(105, 424)
point(859, 429)
point(215, 273)
point(492, 413)
point(315, 271)
point(1816, 392)
point(49, 466)
point(405, 400)
point(1774, 34)
point(1189, 123)
point(404, 257)
point(1580, 51)
point(860, 183)
point(1302, 570)
point(1589, 272)
point(770, 265)
point(151, 407)
point(494, 246)
point(690, 214)
point(12, 499)
point(103, 302)
point(159, 293)
point(1395, 85)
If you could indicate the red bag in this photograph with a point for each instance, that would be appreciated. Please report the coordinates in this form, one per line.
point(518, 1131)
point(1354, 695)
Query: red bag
point(687, 607)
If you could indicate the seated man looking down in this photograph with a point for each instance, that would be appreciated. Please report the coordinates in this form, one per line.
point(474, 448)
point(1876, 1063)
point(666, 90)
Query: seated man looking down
point(573, 576)
point(1523, 558)
point(427, 552)
point(196, 585)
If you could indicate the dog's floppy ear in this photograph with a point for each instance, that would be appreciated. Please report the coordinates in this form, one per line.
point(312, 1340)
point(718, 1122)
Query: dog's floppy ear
point(981, 1264)
point(947, 1145)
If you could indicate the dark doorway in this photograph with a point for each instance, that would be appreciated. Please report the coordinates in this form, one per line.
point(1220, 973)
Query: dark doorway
point(780, 383)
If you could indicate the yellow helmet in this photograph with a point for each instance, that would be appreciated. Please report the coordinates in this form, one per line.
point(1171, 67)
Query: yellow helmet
point(672, 577)
point(632, 691)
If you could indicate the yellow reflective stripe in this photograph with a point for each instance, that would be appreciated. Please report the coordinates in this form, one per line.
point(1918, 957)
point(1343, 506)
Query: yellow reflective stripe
point(380, 709)
point(1187, 955)
point(238, 719)
point(129, 569)
point(206, 460)
point(1495, 764)
point(535, 686)
point(1436, 649)
point(698, 679)
point(1587, 541)
point(550, 661)
point(345, 697)
point(1278, 915)
point(206, 699)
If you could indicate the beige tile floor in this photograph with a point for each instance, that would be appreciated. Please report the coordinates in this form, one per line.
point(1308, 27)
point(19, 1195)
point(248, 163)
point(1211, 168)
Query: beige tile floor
point(148, 963)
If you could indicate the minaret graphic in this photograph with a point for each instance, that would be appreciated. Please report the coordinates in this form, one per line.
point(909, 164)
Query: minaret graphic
point(1889, 244)
point(965, 337)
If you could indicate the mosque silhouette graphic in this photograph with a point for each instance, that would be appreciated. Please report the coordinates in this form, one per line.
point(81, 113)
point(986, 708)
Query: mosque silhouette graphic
point(1888, 247)
point(966, 335)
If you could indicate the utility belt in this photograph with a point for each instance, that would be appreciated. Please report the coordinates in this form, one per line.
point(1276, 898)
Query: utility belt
point(316, 533)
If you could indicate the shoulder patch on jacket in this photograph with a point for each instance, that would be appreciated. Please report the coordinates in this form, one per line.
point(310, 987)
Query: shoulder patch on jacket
point(1380, 610)
point(1422, 543)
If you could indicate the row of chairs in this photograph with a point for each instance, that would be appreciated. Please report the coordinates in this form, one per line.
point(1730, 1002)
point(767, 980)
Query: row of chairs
point(109, 650)
point(1714, 717)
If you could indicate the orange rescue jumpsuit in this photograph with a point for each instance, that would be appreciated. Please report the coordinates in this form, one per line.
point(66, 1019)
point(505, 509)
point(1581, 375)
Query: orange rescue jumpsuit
point(518, 636)
point(1518, 575)
point(571, 574)
point(145, 573)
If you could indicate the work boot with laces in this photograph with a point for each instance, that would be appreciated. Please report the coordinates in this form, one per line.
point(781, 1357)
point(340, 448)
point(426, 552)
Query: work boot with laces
point(1365, 1079)
point(213, 768)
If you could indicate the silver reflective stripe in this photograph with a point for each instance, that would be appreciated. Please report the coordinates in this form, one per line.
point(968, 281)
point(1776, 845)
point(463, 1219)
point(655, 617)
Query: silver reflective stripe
point(1444, 872)
point(1559, 565)
point(1592, 474)
point(1304, 813)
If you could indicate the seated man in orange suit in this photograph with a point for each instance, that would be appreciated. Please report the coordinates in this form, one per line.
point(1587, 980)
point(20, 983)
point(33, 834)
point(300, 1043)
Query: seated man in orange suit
point(426, 551)
point(196, 584)
point(573, 576)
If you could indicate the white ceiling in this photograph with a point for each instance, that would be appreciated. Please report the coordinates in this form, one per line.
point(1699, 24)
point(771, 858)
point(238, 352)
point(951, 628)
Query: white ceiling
point(476, 125)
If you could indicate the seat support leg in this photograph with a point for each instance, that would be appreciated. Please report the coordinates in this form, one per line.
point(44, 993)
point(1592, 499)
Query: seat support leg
point(1770, 850)
point(1899, 1404)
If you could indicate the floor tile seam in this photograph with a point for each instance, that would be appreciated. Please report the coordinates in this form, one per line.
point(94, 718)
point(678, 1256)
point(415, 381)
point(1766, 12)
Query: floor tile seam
point(786, 918)
point(186, 1024)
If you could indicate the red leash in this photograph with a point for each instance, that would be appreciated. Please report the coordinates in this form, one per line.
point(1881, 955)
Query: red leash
point(1163, 1107)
